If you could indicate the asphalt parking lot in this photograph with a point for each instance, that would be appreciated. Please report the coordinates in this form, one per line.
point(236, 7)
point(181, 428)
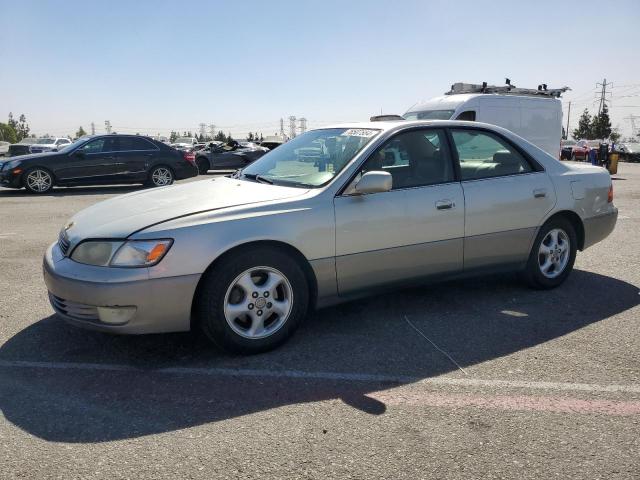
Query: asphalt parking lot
point(466, 379)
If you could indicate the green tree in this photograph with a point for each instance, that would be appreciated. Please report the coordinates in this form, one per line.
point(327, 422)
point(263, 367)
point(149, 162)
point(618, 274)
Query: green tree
point(173, 136)
point(250, 137)
point(220, 137)
point(584, 130)
point(23, 127)
point(80, 133)
point(615, 135)
point(8, 133)
point(229, 137)
point(601, 125)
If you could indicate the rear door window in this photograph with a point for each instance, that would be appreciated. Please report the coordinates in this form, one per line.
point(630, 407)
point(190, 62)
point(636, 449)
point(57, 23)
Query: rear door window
point(484, 155)
point(134, 144)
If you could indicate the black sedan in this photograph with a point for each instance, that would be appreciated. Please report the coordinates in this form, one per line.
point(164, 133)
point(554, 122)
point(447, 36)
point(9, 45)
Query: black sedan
point(229, 156)
point(99, 160)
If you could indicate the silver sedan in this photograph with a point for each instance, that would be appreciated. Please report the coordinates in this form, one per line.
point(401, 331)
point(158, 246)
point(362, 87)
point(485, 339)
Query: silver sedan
point(335, 213)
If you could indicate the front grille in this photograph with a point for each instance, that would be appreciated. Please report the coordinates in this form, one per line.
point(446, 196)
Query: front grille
point(63, 242)
point(75, 311)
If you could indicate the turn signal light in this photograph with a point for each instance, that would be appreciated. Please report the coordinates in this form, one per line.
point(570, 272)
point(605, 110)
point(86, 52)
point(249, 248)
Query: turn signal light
point(157, 252)
point(610, 196)
point(17, 171)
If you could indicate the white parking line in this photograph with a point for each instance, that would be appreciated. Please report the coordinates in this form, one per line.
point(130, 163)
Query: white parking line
point(351, 377)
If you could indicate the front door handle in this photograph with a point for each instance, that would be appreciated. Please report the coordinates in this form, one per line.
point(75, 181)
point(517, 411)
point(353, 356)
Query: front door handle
point(445, 204)
point(540, 193)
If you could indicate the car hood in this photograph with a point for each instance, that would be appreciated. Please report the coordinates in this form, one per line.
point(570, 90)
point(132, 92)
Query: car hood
point(121, 216)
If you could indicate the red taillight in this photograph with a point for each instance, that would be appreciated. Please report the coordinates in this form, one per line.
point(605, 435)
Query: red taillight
point(610, 196)
point(190, 157)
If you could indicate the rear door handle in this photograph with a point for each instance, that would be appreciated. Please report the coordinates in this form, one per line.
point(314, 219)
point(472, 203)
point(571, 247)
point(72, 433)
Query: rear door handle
point(445, 204)
point(540, 192)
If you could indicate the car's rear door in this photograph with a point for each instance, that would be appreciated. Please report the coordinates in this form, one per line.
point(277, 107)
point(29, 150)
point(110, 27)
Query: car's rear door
point(413, 231)
point(135, 155)
point(94, 162)
point(507, 196)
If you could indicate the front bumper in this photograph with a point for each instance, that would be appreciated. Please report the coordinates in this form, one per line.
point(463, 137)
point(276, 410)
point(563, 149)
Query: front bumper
point(599, 227)
point(77, 292)
point(9, 179)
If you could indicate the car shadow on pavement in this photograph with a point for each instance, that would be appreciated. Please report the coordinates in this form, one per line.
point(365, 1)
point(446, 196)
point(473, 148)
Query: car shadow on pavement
point(474, 321)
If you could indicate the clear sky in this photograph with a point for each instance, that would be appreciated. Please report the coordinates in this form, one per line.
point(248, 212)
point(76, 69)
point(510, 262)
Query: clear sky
point(154, 66)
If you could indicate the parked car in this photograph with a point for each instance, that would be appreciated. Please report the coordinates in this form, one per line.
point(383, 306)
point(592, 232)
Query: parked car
point(227, 157)
point(244, 258)
point(535, 115)
point(49, 145)
point(629, 152)
point(22, 147)
point(98, 160)
point(4, 148)
point(185, 143)
point(272, 141)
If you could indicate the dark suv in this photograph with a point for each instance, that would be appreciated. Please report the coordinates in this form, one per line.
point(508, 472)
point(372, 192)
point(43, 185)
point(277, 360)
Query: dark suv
point(99, 160)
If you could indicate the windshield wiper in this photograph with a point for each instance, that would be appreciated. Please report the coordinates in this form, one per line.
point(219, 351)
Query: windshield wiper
point(257, 178)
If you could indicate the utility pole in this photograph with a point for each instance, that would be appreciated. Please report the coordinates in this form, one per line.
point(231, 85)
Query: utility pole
point(282, 128)
point(303, 125)
point(568, 117)
point(203, 127)
point(603, 94)
point(107, 126)
point(212, 130)
point(93, 128)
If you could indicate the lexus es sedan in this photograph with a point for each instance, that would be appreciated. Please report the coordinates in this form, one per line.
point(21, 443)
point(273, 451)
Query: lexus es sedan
point(99, 160)
point(244, 258)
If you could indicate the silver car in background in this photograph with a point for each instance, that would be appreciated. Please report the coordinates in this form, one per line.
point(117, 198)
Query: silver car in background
point(335, 213)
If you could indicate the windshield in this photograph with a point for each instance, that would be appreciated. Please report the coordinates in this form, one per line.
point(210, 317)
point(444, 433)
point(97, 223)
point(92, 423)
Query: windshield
point(77, 143)
point(45, 141)
point(311, 159)
point(429, 115)
point(184, 140)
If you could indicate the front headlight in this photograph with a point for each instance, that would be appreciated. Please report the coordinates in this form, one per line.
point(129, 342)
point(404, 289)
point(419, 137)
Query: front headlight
point(131, 253)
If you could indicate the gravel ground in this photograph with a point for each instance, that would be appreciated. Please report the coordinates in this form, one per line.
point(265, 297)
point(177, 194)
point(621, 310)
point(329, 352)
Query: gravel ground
point(501, 381)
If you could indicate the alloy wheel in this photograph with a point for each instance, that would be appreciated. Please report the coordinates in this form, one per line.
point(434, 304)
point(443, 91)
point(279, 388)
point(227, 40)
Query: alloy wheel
point(258, 302)
point(554, 252)
point(161, 177)
point(39, 181)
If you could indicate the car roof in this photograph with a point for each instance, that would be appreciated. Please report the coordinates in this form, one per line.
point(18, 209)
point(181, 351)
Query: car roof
point(399, 124)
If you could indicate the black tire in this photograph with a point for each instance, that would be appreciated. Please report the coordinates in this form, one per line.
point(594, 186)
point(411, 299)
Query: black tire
point(532, 273)
point(203, 165)
point(44, 173)
point(573, 157)
point(210, 298)
point(160, 171)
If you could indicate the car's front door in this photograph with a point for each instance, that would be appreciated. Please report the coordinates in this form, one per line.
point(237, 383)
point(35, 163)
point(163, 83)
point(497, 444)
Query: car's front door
point(507, 195)
point(135, 155)
point(94, 162)
point(413, 231)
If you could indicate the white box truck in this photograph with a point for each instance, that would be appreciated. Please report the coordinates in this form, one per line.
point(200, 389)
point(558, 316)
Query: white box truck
point(533, 114)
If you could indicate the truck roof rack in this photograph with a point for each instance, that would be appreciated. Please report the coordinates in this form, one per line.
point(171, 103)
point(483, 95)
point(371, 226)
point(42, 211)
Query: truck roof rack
point(507, 89)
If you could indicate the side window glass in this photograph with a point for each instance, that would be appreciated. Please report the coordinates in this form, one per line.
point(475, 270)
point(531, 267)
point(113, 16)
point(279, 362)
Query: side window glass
point(468, 116)
point(483, 155)
point(141, 144)
point(416, 158)
point(95, 146)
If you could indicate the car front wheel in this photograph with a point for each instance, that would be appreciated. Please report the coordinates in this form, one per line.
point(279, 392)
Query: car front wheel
point(552, 256)
point(38, 180)
point(253, 301)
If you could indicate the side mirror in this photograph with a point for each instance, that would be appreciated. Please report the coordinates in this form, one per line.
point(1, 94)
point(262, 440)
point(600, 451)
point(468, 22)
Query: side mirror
point(374, 182)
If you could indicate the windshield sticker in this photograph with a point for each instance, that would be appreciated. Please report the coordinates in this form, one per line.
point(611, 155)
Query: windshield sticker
point(359, 132)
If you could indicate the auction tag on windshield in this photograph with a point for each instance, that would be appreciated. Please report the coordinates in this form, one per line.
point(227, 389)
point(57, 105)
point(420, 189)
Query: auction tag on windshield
point(359, 132)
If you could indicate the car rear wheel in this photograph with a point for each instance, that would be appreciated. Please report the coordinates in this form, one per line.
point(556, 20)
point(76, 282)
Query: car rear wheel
point(160, 176)
point(252, 301)
point(203, 165)
point(552, 256)
point(38, 180)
